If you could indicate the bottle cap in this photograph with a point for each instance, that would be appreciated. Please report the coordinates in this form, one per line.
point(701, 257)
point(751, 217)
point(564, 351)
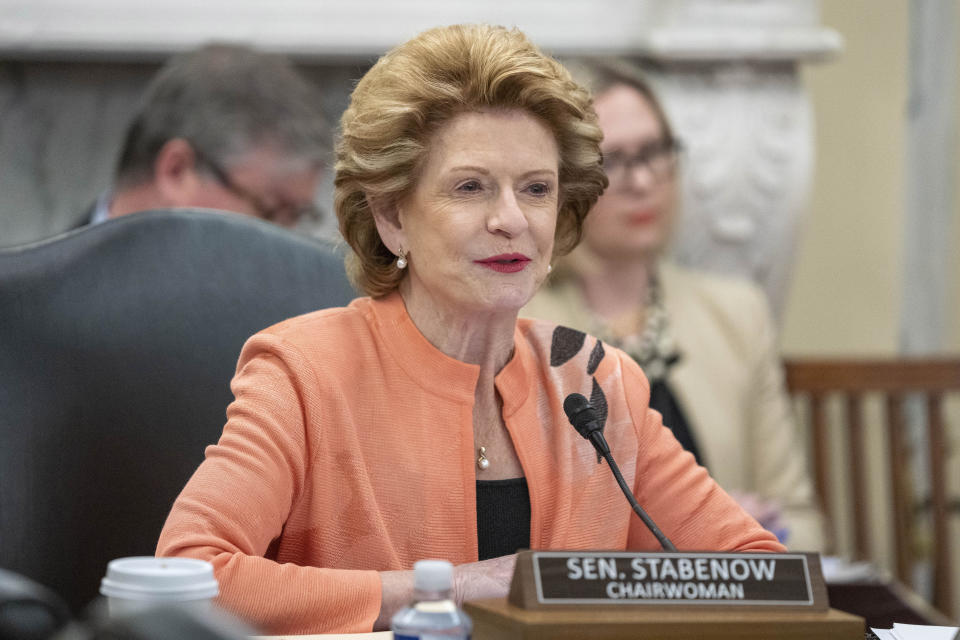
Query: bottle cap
point(432, 575)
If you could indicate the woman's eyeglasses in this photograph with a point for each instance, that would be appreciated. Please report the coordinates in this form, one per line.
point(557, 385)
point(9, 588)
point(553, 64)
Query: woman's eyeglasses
point(659, 158)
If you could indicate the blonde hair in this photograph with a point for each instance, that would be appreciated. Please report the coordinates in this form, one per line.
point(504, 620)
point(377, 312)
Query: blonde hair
point(418, 86)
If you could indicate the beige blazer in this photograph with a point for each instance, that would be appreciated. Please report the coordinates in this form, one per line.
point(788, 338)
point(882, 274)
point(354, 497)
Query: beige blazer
point(729, 383)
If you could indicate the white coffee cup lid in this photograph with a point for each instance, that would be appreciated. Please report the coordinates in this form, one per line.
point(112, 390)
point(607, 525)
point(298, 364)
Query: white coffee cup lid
point(159, 579)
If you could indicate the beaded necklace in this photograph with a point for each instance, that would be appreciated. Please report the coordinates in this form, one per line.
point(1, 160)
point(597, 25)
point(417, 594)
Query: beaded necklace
point(652, 345)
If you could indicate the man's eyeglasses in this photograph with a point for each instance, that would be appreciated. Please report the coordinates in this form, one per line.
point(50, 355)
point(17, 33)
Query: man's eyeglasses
point(659, 158)
point(282, 214)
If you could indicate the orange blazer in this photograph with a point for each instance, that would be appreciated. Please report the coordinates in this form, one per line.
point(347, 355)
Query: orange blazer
point(349, 450)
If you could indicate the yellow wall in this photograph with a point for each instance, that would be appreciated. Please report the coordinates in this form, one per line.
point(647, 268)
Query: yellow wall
point(845, 296)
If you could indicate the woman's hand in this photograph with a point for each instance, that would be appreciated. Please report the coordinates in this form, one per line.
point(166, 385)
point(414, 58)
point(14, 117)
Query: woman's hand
point(485, 579)
point(472, 581)
point(765, 511)
point(396, 592)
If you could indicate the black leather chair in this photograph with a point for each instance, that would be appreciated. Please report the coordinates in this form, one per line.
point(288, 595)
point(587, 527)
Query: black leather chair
point(117, 345)
point(29, 611)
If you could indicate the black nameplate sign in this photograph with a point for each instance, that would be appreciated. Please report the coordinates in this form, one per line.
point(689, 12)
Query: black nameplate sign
point(547, 578)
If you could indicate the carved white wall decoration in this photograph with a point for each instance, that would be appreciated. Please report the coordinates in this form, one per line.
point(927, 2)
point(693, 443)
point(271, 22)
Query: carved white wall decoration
point(728, 73)
point(746, 169)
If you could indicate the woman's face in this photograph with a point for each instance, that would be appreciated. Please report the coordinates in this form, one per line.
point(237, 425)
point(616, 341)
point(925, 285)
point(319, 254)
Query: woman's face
point(480, 222)
point(632, 219)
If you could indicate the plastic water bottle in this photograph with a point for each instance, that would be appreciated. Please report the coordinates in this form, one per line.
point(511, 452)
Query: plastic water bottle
point(433, 614)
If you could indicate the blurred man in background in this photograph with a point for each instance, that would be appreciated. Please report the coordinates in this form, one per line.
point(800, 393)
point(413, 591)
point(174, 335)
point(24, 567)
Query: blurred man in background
point(222, 127)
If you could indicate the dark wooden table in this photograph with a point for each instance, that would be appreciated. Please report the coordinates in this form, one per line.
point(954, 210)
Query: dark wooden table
point(883, 603)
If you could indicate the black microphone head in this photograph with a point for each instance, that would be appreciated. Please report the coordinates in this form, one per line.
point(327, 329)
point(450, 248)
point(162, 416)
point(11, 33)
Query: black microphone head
point(581, 414)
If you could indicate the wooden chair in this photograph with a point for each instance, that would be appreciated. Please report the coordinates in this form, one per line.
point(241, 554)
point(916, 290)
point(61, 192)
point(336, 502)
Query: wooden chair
point(814, 380)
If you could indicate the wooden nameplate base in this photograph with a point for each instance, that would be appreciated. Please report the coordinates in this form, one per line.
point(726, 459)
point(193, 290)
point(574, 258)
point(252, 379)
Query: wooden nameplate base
point(613, 595)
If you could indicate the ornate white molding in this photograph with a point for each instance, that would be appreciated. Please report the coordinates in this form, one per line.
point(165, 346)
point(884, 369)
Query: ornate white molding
point(728, 73)
point(361, 28)
point(742, 44)
point(718, 30)
point(748, 135)
point(306, 28)
point(739, 30)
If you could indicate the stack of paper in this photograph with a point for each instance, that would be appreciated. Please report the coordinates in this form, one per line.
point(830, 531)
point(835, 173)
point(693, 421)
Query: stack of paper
point(917, 632)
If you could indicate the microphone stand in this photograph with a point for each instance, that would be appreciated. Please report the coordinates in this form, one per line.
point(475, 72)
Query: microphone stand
point(651, 525)
point(584, 419)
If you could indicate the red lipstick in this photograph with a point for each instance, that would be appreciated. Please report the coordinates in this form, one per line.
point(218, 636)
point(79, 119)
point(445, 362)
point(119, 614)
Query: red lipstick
point(638, 218)
point(505, 262)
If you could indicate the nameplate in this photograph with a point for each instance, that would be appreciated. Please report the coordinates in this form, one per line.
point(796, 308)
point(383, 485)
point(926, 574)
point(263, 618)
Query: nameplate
point(545, 579)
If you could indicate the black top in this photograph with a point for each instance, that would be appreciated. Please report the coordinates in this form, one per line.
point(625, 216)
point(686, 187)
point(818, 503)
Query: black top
point(503, 517)
point(503, 506)
point(663, 400)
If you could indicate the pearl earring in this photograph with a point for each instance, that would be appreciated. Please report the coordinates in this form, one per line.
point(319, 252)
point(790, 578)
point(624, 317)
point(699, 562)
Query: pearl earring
point(402, 260)
point(549, 268)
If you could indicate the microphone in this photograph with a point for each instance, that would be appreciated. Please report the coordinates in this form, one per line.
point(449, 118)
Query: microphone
point(584, 419)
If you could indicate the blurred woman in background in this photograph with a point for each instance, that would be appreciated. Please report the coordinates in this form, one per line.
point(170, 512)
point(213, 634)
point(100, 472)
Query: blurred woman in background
point(706, 342)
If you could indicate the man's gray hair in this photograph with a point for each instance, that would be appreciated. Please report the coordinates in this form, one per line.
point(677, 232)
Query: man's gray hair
point(225, 100)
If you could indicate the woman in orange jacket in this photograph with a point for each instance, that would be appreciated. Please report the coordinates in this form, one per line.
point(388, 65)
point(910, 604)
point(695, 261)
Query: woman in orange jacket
point(425, 420)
